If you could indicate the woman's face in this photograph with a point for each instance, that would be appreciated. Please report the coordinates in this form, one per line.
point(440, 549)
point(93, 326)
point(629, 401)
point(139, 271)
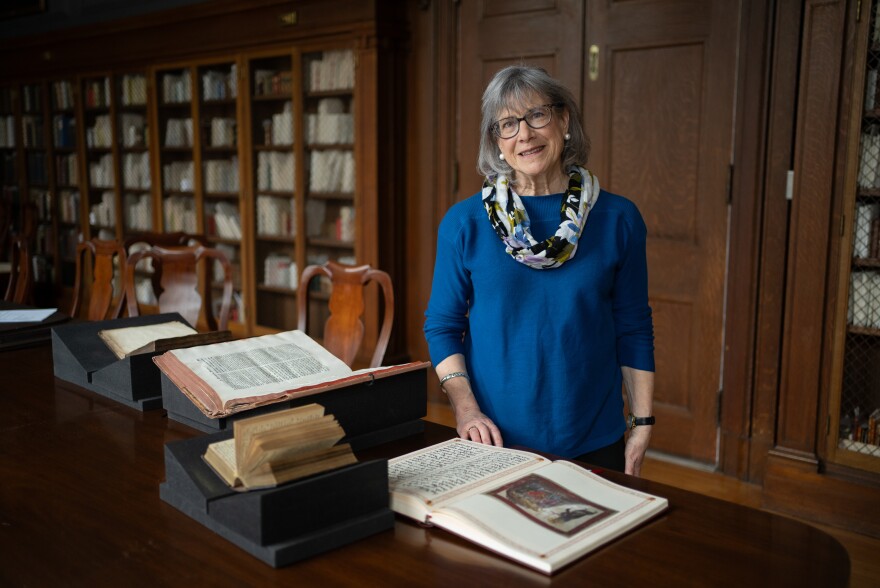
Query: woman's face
point(534, 154)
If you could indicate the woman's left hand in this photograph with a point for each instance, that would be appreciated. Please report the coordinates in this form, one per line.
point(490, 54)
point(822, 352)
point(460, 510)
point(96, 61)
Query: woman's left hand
point(636, 446)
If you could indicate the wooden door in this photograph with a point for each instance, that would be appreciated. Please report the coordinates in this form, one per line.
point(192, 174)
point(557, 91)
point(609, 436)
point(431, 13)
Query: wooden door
point(497, 33)
point(660, 114)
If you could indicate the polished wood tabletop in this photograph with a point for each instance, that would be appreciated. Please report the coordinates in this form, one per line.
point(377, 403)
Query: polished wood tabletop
point(80, 506)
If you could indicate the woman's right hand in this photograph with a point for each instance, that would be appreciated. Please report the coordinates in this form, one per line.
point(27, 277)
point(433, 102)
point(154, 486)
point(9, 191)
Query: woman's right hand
point(472, 424)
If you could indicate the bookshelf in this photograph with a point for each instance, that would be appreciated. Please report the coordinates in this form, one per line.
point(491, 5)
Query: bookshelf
point(855, 397)
point(269, 146)
point(100, 192)
point(66, 176)
point(274, 95)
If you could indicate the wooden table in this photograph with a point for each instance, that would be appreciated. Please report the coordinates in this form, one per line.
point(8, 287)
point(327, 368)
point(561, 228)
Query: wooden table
point(79, 506)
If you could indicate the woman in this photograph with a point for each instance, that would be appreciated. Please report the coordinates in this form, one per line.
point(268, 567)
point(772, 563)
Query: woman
point(537, 315)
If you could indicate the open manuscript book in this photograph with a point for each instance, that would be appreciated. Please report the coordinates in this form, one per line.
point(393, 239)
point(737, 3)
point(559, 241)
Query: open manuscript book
point(542, 514)
point(226, 378)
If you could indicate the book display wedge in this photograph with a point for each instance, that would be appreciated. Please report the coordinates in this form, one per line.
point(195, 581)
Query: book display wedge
point(543, 514)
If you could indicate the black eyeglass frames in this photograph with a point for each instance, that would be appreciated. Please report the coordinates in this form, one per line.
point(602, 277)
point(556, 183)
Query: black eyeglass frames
point(537, 118)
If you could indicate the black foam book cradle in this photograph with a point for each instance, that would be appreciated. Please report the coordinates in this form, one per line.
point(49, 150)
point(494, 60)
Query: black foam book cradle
point(81, 357)
point(285, 524)
point(371, 413)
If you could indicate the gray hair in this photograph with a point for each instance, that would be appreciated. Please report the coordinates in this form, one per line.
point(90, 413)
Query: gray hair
point(514, 84)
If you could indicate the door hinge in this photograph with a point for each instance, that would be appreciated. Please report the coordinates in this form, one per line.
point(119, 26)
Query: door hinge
point(454, 178)
point(718, 411)
point(789, 185)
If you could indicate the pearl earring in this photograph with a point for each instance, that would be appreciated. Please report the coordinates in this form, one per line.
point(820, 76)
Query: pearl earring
point(567, 136)
point(501, 156)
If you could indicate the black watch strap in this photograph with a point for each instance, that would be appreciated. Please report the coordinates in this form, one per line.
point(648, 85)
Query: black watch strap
point(634, 421)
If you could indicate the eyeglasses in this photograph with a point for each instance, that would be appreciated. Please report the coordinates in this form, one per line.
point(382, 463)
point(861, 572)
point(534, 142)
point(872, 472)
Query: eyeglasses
point(537, 118)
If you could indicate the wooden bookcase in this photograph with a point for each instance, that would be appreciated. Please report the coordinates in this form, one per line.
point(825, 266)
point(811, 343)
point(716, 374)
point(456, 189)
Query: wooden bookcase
point(854, 402)
point(266, 144)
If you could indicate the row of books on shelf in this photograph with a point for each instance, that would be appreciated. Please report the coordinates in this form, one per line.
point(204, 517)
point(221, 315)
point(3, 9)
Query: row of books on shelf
point(103, 213)
point(68, 206)
point(323, 129)
point(62, 95)
point(178, 132)
point(133, 130)
point(221, 175)
point(334, 71)
point(331, 171)
point(37, 171)
point(96, 93)
point(101, 172)
point(32, 131)
point(276, 217)
point(176, 88)
point(66, 169)
point(179, 214)
point(32, 98)
point(275, 171)
point(178, 176)
point(100, 134)
point(224, 221)
point(278, 130)
point(864, 299)
point(133, 90)
point(42, 199)
point(138, 212)
point(271, 82)
point(280, 271)
point(863, 428)
point(68, 239)
point(7, 131)
point(222, 132)
point(64, 131)
point(220, 85)
point(136, 171)
point(866, 232)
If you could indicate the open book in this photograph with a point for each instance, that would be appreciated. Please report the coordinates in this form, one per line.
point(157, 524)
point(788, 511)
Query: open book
point(279, 447)
point(226, 378)
point(158, 337)
point(540, 513)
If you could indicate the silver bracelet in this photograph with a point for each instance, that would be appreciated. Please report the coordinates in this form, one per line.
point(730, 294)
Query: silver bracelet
point(453, 375)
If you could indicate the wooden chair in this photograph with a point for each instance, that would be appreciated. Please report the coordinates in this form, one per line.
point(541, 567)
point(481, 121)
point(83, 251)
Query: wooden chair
point(344, 329)
point(107, 259)
point(20, 287)
point(146, 240)
point(179, 291)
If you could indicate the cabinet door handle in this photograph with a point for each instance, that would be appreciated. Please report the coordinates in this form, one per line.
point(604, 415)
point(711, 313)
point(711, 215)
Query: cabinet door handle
point(594, 63)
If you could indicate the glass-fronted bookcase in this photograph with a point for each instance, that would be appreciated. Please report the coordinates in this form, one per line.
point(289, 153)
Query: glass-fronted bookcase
point(854, 411)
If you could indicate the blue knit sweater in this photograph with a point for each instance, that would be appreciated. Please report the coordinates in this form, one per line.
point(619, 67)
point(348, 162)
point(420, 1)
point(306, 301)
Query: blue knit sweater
point(544, 347)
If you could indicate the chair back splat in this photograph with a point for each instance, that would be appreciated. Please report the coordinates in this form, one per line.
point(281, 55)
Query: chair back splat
point(344, 328)
point(107, 260)
point(181, 289)
point(21, 274)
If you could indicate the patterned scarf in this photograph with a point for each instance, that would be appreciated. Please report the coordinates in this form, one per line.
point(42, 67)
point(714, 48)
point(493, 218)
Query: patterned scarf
point(511, 221)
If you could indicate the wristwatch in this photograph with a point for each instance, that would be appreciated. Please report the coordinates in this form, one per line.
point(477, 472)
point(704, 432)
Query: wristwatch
point(633, 421)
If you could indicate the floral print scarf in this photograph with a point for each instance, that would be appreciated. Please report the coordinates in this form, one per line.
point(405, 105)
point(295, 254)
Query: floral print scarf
point(511, 221)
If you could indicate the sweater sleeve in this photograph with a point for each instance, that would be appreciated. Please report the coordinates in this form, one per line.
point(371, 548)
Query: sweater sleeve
point(632, 313)
point(446, 316)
